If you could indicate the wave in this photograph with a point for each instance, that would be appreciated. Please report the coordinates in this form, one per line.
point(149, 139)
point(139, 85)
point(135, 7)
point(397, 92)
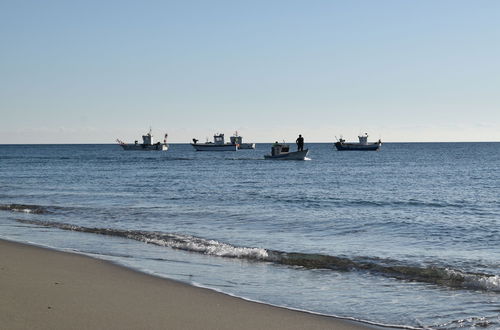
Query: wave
point(175, 241)
point(434, 203)
point(176, 158)
point(327, 201)
point(24, 208)
point(38, 209)
point(441, 276)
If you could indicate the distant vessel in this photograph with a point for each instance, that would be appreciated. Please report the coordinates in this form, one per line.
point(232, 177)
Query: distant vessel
point(282, 151)
point(238, 140)
point(363, 144)
point(217, 145)
point(146, 145)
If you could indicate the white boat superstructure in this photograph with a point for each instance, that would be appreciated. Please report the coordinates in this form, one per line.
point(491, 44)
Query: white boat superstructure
point(146, 145)
point(238, 140)
point(217, 145)
point(281, 151)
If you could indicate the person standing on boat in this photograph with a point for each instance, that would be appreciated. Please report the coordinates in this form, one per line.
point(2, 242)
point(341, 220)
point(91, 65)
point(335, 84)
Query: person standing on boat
point(300, 143)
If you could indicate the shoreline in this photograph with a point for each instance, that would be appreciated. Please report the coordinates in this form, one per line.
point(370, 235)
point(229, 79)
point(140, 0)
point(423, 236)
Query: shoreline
point(44, 288)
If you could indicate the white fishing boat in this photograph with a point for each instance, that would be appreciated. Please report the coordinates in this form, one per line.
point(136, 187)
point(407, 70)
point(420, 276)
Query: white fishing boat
point(217, 145)
point(282, 151)
point(146, 145)
point(363, 144)
point(238, 140)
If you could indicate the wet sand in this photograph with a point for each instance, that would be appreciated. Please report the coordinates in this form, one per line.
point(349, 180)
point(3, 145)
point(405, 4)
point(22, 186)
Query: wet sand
point(46, 289)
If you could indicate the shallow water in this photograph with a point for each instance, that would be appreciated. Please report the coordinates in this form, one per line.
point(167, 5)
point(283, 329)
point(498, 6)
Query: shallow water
point(406, 236)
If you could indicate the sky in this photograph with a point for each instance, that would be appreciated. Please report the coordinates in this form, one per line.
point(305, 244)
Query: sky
point(402, 70)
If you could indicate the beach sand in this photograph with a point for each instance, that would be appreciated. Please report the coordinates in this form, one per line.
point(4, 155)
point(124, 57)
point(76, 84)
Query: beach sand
point(46, 289)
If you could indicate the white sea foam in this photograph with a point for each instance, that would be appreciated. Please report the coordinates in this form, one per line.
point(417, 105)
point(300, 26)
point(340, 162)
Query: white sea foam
point(490, 283)
point(479, 281)
point(209, 247)
point(22, 208)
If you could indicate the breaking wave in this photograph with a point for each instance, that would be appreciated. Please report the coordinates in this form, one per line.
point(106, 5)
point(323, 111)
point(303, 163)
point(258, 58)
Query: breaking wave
point(175, 241)
point(442, 276)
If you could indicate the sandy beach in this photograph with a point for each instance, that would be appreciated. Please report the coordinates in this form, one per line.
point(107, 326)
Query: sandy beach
point(46, 289)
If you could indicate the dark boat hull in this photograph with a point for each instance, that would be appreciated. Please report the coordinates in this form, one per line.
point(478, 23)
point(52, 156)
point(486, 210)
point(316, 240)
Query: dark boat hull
point(145, 147)
point(294, 155)
point(342, 146)
point(214, 147)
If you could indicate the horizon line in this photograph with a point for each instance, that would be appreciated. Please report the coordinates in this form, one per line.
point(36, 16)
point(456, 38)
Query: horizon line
point(312, 142)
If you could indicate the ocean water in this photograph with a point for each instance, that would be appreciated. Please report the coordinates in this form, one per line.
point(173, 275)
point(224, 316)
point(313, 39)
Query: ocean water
point(408, 236)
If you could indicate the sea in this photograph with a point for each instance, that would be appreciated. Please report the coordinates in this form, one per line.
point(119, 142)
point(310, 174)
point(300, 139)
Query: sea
point(406, 237)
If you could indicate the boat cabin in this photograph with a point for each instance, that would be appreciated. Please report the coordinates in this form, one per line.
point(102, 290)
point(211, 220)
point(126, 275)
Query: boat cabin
point(279, 148)
point(236, 139)
point(219, 139)
point(363, 139)
point(147, 139)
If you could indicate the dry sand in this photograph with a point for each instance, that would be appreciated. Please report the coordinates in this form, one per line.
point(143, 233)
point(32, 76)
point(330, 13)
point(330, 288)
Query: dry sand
point(47, 289)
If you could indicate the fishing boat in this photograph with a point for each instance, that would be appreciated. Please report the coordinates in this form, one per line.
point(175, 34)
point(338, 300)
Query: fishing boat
point(238, 140)
point(146, 145)
point(217, 145)
point(362, 145)
point(282, 151)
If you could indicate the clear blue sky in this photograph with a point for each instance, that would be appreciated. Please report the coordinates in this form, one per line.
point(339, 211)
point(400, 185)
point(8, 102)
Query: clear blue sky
point(404, 70)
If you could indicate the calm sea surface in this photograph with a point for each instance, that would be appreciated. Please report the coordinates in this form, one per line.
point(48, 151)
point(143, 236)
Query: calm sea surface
point(407, 236)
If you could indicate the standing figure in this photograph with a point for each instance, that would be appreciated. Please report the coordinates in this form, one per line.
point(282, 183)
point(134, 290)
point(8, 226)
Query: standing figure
point(300, 143)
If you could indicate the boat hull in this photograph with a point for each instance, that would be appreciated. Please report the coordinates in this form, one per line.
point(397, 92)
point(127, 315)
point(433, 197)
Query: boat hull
point(145, 147)
point(295, 155)
point(357, 147)
point(215, 147)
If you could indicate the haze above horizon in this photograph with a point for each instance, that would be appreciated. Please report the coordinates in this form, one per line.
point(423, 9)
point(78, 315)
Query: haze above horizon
point(404, 71)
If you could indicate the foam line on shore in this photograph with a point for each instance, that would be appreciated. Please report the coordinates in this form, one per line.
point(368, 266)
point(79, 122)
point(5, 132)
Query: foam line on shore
point(437, 275)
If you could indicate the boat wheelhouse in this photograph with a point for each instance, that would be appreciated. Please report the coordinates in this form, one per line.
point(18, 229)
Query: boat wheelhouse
point(238, 140)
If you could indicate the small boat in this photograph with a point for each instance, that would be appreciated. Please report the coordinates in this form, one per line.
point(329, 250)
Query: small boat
point(146, 145)
point(217, 145)
point(363, 144)
point(238, 140)
point(282, 151)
